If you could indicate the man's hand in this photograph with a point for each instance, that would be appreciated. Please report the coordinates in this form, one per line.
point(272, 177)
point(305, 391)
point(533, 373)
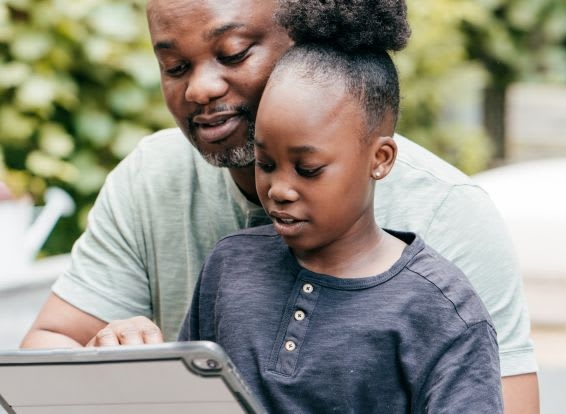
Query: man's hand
point(61, 325)
point(134, 331)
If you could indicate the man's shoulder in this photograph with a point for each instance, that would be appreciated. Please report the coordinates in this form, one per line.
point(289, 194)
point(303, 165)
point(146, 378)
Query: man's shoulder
point(451, 285)
point(171, 149)
point(419, 186)
point(166, 160)
point(419, 161)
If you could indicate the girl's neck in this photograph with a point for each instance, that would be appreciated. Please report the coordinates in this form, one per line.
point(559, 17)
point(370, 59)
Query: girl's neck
point(365, 255)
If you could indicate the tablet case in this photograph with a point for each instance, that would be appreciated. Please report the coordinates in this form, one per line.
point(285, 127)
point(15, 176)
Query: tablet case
point(175, 377)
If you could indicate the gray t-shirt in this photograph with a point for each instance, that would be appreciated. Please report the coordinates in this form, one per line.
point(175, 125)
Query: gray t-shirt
point(163, 208)
point(414, 339)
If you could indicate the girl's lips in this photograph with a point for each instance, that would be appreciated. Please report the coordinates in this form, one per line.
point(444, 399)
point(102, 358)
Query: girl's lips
point(217, 129)
point(287, 227)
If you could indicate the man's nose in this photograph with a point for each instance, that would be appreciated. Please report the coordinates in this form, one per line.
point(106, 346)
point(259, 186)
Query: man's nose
point(205, 84)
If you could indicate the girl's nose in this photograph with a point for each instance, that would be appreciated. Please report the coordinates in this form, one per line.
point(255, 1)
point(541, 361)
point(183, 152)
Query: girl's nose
point(281, 192)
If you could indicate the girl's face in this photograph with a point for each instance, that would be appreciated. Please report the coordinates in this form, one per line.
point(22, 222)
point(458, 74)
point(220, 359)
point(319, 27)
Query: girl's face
point(313, 166)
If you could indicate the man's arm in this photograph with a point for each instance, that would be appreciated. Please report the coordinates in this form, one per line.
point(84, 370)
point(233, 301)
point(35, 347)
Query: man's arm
point(521, 394)
point(503, 297)
point(61, 325)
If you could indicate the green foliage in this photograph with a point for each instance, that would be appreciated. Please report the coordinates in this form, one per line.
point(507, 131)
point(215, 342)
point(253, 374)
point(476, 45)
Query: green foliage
point(515, 40)
point(519, 40)
point(435, 73)
point(79, 86)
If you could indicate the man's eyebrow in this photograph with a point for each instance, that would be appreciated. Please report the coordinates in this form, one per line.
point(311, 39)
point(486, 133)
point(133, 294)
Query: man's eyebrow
point(218, 31)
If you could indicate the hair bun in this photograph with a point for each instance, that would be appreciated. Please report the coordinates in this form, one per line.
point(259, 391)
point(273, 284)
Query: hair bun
point(351, 26)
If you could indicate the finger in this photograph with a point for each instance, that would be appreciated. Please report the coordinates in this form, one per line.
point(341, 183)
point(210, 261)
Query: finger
point(104, 337)
point(152, 335)
point(150, 332)
point(130, 335)
point(133, 331)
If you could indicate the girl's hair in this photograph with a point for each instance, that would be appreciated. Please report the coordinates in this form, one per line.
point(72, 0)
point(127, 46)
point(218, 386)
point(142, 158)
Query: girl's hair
point(348, 41)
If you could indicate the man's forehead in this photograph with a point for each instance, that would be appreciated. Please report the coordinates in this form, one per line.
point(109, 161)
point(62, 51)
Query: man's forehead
point(240, 11)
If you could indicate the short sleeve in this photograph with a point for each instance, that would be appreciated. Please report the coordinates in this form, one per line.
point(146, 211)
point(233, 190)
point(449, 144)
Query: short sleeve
point(468, 230)
point(107, 278)
point(466, 377)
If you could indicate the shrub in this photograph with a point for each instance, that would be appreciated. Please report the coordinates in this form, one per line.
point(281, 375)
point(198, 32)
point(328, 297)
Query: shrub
point(79, 87)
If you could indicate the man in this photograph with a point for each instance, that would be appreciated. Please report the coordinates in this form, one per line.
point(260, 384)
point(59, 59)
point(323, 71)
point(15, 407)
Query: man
point(163, 208)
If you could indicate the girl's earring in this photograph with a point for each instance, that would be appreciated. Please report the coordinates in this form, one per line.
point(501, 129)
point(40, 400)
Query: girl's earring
point(376, 175)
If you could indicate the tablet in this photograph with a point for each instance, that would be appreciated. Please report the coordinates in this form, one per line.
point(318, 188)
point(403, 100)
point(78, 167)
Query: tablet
point(174, 377)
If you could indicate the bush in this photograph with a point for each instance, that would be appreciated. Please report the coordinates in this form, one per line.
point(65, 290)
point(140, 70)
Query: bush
point(79, 87)
point(437, 77)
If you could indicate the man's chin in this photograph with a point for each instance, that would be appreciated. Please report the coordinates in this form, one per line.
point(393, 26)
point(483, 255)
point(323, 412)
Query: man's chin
point(238, 157)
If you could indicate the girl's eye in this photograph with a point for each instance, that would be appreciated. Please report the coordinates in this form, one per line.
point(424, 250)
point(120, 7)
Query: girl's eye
point(235, 58)
point(264, 166)
point(308, 172)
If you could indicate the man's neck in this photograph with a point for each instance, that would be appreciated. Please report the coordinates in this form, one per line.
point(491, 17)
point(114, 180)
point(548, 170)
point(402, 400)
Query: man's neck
point(245, 180)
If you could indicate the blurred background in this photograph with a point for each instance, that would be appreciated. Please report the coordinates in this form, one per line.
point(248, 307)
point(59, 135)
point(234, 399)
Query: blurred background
point(483, 85)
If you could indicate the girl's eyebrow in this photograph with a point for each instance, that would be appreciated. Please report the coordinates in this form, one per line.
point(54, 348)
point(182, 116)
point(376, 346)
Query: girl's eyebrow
point(258, 144)
point(301, 149)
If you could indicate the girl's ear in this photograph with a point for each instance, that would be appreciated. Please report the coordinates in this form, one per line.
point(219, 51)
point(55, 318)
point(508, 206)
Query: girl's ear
point(384, 152)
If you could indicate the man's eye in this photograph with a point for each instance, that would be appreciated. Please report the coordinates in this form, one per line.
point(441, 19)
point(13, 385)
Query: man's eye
point(264, 166)
point(308, 172)
point(176, 70)
point(235, 58)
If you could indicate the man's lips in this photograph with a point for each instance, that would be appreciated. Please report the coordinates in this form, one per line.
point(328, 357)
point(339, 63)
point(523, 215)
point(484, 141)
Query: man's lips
point(217, 127)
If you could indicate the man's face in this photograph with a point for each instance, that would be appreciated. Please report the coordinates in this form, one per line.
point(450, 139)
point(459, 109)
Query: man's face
point(313, 167)
point(215, 57)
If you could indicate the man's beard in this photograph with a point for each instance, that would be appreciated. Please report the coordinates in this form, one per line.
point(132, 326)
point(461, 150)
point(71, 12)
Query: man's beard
point(234, 157)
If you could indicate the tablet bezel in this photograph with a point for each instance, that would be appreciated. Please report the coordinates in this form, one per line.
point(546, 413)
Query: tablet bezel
point(201, 358)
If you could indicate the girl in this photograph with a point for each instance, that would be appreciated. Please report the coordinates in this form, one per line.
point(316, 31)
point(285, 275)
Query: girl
point(324, 311)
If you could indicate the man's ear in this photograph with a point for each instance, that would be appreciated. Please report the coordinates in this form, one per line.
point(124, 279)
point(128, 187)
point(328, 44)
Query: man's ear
point(384, 152)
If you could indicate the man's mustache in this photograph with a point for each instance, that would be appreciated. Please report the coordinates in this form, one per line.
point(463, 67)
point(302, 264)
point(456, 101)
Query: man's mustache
point(243, 110)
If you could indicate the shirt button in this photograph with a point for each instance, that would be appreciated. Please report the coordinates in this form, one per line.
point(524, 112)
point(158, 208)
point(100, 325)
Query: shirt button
point(308, 288)
point(299, 315)
point(290, 346)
